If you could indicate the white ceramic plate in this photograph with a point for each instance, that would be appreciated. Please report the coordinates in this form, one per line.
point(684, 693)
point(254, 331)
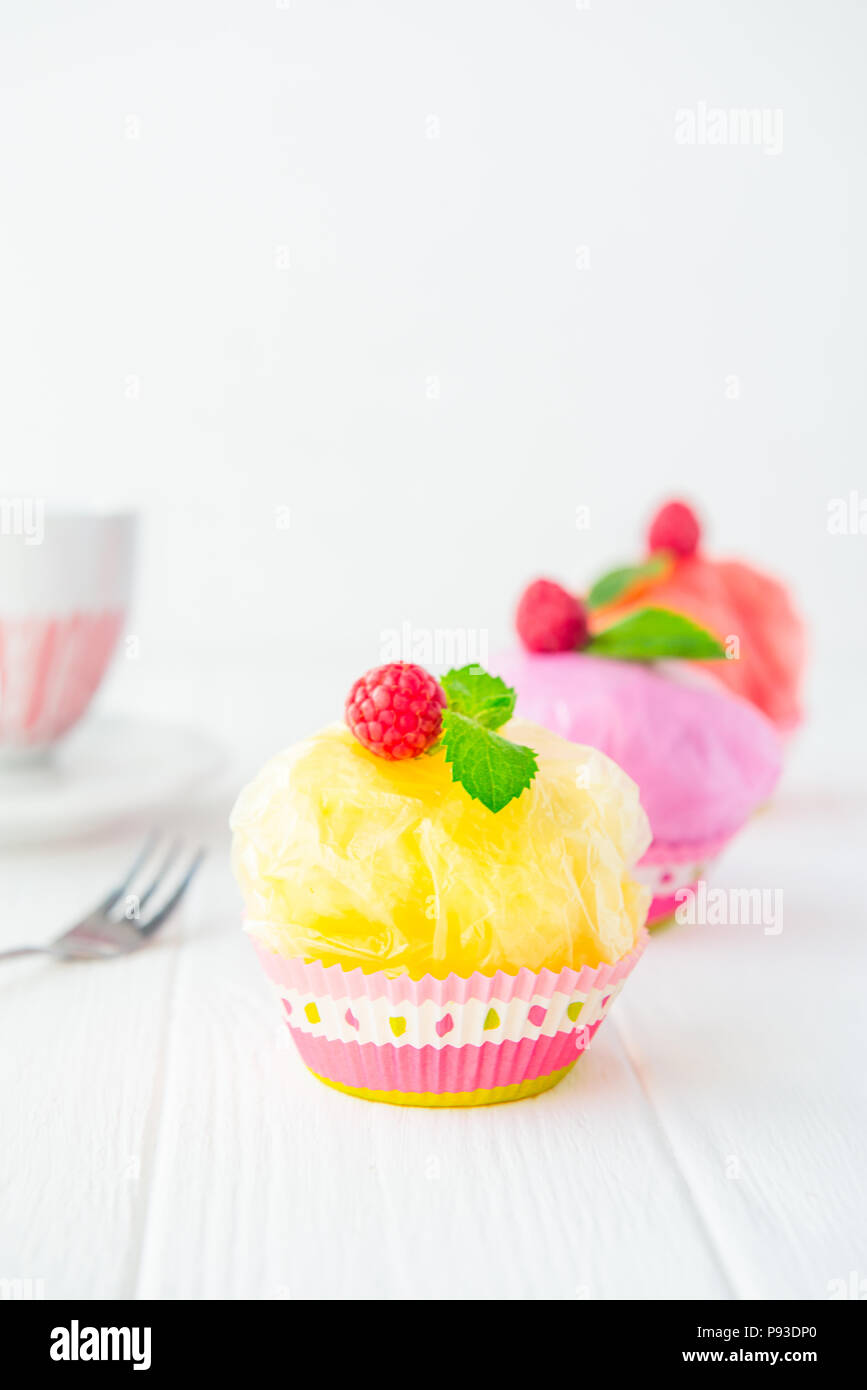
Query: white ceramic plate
point(107, 770)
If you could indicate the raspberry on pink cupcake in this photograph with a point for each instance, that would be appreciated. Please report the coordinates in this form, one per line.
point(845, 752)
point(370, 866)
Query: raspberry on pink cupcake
point(550, 619)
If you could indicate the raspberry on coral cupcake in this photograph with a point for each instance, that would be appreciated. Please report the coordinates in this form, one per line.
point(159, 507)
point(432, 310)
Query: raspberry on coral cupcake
point(675, 528)
point(447, 927)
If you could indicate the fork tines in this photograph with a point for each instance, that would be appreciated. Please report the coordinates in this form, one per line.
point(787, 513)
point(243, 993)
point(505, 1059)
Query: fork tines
point(154, 884)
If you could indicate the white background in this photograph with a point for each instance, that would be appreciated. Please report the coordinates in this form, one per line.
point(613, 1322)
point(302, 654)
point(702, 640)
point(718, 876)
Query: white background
point(160, 162)
point(432, 277)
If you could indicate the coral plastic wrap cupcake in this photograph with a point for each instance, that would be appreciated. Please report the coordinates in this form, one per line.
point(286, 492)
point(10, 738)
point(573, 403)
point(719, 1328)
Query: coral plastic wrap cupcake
point(751, 612)
point(441, 894)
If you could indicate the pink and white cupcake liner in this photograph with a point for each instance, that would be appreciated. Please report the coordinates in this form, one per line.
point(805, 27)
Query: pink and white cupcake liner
point(667, 870)
point(464, 1040)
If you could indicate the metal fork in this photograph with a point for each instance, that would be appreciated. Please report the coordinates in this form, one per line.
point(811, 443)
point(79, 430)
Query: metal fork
point(116, 925)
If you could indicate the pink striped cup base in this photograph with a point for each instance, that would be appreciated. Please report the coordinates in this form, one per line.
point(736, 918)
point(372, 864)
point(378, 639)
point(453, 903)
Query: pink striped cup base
point(464, 1040)
point(672, 871)
point(49, 671)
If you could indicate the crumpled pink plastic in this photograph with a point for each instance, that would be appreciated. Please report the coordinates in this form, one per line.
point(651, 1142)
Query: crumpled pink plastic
point(703, 759)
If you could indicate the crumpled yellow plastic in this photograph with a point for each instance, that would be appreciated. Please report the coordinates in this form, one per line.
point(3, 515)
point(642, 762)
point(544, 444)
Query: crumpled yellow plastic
point(344, 857)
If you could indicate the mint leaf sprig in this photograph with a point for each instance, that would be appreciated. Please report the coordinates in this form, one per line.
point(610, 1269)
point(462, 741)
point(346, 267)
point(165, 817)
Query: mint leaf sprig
point(489, 767)
point(656, 634)
point(618, 582)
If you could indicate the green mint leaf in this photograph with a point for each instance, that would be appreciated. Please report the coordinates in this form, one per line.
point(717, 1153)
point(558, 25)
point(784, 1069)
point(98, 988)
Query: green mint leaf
point(490, 768)
point(487, 699)
point(618, 582)
point(652, 634)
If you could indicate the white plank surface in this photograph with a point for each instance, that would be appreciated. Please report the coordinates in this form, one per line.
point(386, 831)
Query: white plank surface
point(160, 1137)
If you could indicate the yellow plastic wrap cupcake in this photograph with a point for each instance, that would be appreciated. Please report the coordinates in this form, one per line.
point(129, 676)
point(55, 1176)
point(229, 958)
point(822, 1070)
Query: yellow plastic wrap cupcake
point(441, 894)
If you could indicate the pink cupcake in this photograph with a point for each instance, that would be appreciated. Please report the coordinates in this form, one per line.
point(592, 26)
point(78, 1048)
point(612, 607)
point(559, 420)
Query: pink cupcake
point(640, 689)
point(702, 759)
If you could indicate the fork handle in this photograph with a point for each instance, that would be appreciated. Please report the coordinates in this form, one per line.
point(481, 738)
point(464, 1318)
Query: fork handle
point(24, 951)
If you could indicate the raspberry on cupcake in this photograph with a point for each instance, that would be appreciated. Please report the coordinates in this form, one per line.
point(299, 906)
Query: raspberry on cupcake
point(396, 710)
point(675, 528)
point(550, 618)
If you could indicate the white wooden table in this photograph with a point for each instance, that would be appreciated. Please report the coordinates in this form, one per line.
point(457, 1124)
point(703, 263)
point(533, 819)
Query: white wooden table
point(160, 1137)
